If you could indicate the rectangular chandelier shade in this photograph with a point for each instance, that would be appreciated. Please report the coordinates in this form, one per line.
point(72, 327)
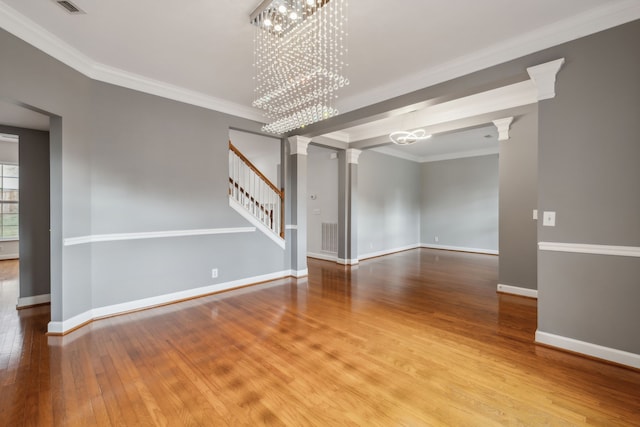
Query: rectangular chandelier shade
point(299, 58)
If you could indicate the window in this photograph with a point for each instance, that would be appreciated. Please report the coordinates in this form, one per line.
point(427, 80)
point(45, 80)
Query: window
point(9, 196)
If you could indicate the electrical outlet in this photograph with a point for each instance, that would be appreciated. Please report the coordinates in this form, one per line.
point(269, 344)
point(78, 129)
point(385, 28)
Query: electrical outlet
point(214, 273)
point(436, 239)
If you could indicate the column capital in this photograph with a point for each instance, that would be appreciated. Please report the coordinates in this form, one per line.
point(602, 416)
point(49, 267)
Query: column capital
point(544, 77)
point(299, 144)
point(503, 126)
point(353, 155)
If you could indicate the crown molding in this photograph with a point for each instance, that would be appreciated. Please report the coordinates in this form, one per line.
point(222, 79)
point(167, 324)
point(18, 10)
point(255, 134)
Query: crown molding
point(32, 33)
point(498, 99)
point(610, 15)
point(589, 22)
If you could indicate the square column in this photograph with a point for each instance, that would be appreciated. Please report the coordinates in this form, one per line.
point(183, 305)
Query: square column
point(347, 206)
point(298, 194)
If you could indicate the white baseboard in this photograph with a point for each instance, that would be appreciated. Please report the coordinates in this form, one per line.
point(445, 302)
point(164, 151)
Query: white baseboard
point(594, 350)
point(324, 257)
point(70, 324)
point(460, 249)
point(515, 290)
point(347, 261)
point(112, 310)
point(387, 252)
point(34, 300)
point(9, 256)
point(300, 273)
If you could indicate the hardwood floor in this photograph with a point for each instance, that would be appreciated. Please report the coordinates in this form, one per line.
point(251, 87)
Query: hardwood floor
point(415, 338)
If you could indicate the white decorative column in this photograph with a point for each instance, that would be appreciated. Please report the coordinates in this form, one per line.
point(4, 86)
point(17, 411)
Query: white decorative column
point(544, 77)
point(347, 206)
point(503, 126)
point(298, 194)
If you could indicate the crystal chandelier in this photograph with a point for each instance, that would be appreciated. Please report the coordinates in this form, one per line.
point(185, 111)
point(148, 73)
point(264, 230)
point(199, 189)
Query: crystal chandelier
point(300, 56)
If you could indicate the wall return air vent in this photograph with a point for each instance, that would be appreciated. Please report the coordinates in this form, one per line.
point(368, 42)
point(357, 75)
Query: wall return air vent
point(69, 7)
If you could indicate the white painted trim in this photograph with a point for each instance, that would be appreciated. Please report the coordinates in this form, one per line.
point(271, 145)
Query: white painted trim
point(347, 261)
point(300, 273)
point(324, 257)
point(32, 33)
point(387, 251)
point(461, 155)
point(544, 77)
point(260, 226)
point(338, 136)
point(9, 256)
point(33, 300)
point(436, 158)
point(389, 151)
point(112, 310)
point(460, 249)
point(609, 15)
point(589, 22)
point(70, 324)
point(353, 155)
point(582, 248)
point(515, 290)
point(299, 145)
point(594, 350)
point(492, 100)
point(503, 126)
point(72, 241)
point(291, 227)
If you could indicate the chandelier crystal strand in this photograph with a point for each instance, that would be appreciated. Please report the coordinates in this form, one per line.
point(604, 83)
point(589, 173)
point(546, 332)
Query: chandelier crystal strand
point(300, 59)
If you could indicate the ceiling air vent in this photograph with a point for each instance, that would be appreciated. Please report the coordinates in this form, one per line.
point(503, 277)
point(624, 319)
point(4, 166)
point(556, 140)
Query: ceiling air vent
point(69, 7)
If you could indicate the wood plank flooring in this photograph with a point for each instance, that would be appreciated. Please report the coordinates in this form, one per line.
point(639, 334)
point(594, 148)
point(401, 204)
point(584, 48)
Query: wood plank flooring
point(418, 338)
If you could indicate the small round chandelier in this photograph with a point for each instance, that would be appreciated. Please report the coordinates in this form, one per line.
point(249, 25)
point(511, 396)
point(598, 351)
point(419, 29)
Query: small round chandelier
point(408, 137)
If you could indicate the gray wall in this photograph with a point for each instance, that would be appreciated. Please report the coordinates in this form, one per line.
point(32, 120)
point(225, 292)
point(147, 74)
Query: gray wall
point(123, 161)
point(263, 151)
point(33, 149)
point(589, 175)
point(323, 184)
point(518, 199)
point(388, 203)
point(460, 202)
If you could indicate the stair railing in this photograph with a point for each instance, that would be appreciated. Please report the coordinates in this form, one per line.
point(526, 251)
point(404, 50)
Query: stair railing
point(255, 192)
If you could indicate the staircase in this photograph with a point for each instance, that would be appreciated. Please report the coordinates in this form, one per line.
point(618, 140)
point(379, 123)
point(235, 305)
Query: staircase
point(255, 197)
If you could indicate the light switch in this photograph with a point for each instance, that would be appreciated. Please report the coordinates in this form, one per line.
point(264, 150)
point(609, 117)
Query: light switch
point(316, 211)
point(549, 219)
point(535, 214)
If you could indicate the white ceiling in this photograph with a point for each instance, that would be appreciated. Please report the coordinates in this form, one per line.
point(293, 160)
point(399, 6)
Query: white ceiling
point(464, 143)
point(204, 48)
